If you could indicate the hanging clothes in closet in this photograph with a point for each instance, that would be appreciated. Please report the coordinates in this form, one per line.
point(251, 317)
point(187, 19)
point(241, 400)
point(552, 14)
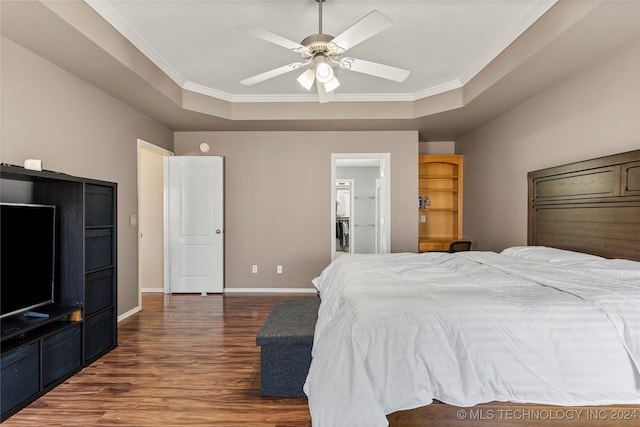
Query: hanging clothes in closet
point(343, 202)
point(342, 234)
point(343, 214)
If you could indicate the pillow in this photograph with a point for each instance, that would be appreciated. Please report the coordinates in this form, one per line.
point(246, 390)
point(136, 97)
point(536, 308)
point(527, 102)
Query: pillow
point(551, 255)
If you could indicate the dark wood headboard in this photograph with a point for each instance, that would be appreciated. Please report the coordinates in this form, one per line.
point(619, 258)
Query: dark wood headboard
point(591, 206)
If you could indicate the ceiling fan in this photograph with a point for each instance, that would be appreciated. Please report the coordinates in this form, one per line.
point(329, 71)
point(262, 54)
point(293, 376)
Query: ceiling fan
point(322, 55)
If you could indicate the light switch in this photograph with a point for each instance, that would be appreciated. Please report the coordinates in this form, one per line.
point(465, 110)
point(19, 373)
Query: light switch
point(133, 220)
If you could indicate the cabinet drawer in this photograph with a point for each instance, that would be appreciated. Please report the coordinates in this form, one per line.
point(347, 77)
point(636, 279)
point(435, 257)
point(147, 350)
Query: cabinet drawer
point(99, 334)
point(98, 248)
point(99, 205)
point(61, 354)
point(20, 377)
point(98, 291)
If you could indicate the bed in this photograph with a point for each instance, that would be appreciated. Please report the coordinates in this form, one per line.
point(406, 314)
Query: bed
point(543, 333)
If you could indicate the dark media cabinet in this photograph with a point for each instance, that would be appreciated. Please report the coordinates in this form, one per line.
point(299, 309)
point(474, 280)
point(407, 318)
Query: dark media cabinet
point(37, 354)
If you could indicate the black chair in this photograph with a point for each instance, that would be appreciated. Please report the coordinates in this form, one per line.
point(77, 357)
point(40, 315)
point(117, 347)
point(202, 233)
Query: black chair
point(458, 246)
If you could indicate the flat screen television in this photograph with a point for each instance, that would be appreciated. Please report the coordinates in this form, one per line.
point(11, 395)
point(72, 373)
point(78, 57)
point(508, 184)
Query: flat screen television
point(27, 257)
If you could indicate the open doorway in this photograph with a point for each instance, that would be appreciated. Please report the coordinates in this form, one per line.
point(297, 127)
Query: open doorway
point(367, 222)
point(151, 218)
point(345, 215)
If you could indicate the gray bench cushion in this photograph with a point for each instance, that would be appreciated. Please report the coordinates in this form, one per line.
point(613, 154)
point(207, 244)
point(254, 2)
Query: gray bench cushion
point(286, 340)
point(290, 321)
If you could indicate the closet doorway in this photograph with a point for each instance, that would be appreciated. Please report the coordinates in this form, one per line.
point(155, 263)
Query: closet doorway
point(361, 181)
point(345, 192)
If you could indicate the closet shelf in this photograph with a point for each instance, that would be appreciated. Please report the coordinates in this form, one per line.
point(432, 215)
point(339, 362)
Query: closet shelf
point(439, 188)
point(438, 177)
point(443, 239)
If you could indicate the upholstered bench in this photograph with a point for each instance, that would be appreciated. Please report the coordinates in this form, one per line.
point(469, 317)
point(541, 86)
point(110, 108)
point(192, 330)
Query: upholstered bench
point(285, 341)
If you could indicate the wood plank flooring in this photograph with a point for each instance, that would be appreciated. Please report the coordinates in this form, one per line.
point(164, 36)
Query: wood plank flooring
point(184, 360)
point(187, 360)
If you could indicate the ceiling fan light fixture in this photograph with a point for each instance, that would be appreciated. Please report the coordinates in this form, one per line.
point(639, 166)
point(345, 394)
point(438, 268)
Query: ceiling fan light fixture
point(307, 78)
point(324, 72)
point(331, 84)
point(322, 53)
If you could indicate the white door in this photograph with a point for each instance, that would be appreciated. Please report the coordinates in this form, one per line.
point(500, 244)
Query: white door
point(195, 213)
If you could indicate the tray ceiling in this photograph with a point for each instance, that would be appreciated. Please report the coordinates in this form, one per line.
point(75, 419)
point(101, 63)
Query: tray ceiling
point(443, 43)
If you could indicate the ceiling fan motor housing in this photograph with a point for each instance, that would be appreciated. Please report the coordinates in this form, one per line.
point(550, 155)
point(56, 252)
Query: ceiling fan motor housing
point(317, 44)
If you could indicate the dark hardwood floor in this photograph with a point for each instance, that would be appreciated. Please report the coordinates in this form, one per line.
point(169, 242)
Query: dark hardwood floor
point(187, 360)
point(184, 360)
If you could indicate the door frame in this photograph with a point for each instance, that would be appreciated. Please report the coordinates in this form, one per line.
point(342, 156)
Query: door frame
point(144, 145)
point(383, 161)
point(214, 164)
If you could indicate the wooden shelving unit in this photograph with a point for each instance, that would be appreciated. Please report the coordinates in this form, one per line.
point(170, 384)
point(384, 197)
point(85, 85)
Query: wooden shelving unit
point(440, 201)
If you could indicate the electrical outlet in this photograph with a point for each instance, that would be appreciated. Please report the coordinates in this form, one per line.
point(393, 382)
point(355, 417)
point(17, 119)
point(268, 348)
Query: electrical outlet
point(423, 218)
point(279, 269)
point(254, 268)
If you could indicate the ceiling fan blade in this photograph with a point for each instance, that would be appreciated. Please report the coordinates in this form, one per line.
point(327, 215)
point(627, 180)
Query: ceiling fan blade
point(369, 26)
point(323, 95)
point(375, 69)
point(271, 73)
point(270, 37)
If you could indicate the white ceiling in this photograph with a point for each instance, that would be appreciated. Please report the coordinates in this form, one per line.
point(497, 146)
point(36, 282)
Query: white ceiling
point(444, 44)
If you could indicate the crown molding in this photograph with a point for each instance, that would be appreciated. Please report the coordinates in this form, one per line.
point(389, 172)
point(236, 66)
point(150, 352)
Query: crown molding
point(207, 91)
point(339, 97)
point(539, 9)
point(104, 10)
point(109, 15)
point(437, 90)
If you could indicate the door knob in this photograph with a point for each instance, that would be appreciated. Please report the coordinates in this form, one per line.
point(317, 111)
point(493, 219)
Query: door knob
point(218, 231)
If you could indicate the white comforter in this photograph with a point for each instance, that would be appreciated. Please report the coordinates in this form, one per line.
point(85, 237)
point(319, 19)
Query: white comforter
point(396, 331)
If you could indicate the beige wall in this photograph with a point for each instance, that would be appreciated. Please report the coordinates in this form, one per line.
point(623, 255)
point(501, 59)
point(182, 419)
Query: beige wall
point(74, 128)
point(437, 147)
point(277, 198)
point(151, 221)
point(592, 114)
point(278, 183)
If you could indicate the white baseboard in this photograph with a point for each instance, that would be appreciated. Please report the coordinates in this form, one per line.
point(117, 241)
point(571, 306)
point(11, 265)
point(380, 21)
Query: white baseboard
point(228, 291)
point(152, 290)
point(271, 290)
point(129, 313)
